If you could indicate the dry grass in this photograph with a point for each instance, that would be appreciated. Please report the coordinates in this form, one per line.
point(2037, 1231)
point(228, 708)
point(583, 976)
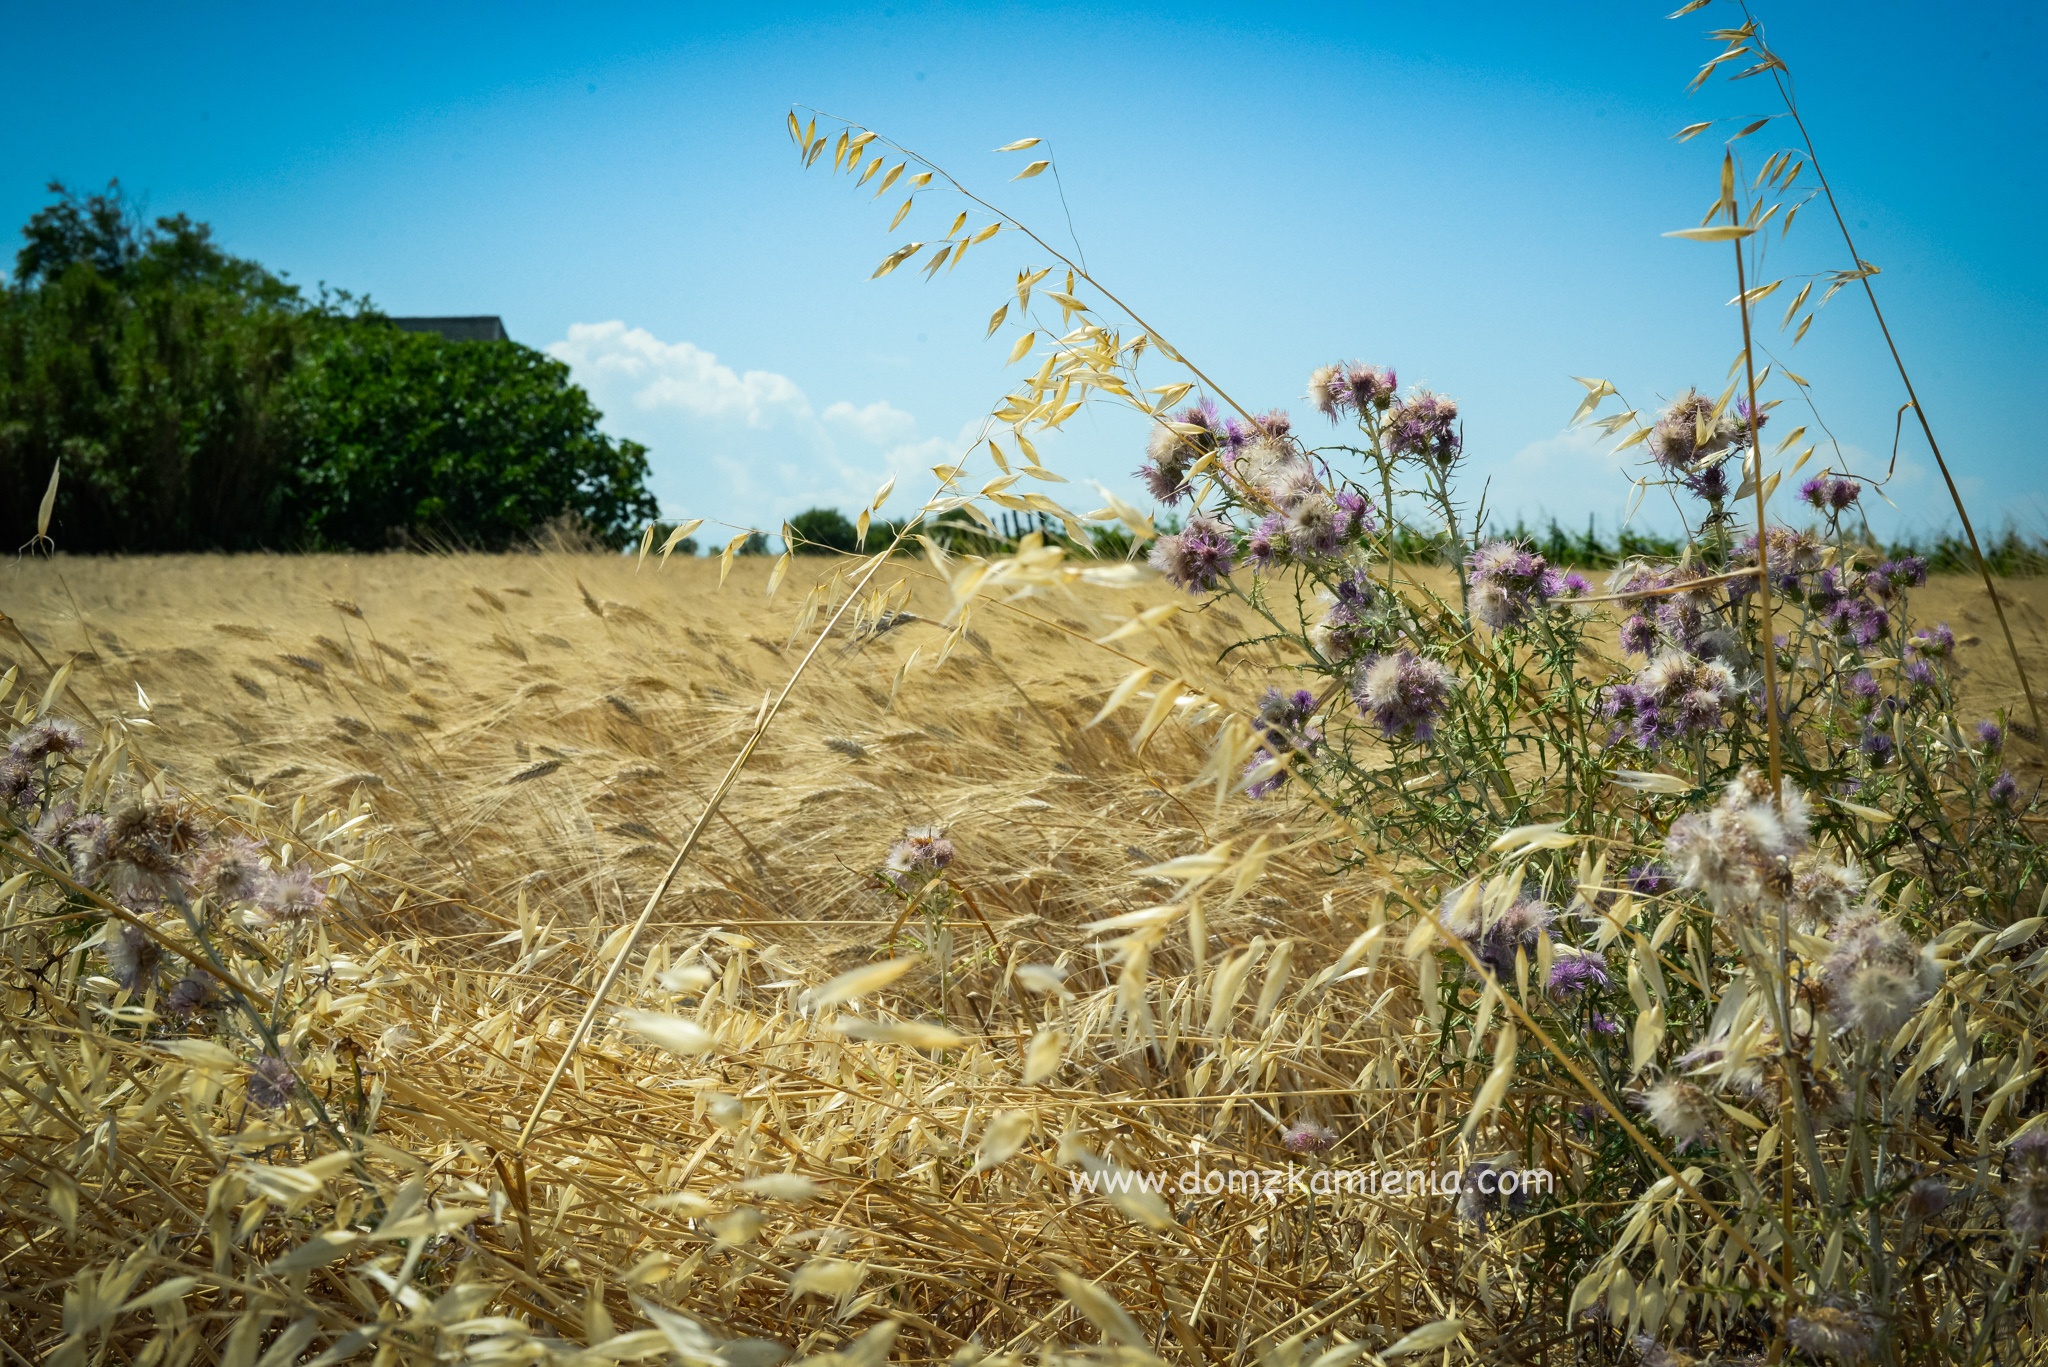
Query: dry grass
point(524, 739)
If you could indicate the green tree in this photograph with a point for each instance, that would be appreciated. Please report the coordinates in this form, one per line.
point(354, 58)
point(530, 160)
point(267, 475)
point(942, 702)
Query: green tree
point(821, 531)
point(154, 365)
point(409, 436)
point(198, 401)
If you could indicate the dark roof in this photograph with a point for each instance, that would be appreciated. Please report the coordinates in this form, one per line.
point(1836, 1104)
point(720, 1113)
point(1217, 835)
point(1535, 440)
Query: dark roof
point(483, 328)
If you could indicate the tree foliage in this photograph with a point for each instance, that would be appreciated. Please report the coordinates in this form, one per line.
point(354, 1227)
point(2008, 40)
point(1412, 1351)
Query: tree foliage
point(197, 401)
point(411, 435)
point(820, 531)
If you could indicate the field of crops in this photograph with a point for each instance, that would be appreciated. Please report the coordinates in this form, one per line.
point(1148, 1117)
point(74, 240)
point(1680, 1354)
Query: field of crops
point(853, 1108)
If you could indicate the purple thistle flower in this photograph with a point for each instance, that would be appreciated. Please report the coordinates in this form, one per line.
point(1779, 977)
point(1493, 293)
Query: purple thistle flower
point(1197, 559)
point(1828, 590)
point(1878, 748)
point(1647, 880)
point(1565, 584)
point(132, 957)
point(2004, 790)
point(1991, 735)
point(1349, 387)
point(1918, 673)
point(1404, 694)
point(233, 872)
point(1673, 696)
point(1794, 555)
point(1357, 589)
point(1267, 545)
point(1624, 705)
point(1236, 436)
point(190, 995)
point(1164, 483)
point(1689, 431)
point(1308, 1136)
point(1868, 624)
point(1371, 386)
point(1495, 943)
point(1170, 453)
point(50, 736)
point(1604, 1025)
point(1892, 578)
point(1935, 643)
point(17, 781)
point(1863, 692)
point(1842, 616)
point(1698, 711)
point(1329, 390)
point(1286, 724)
point(291, 896)
point(1354, 515)
point(1710, 483)
point(923, 850)
point(1517, 930)
point(1746, 423)
point(271, 1083)
point(1831, 492)
point(1343, 628)
point(1260, 789)
point(1425, 426)
point(1508, 582)
point(1311, 524)
point(1639, 635)
point(1573, 972)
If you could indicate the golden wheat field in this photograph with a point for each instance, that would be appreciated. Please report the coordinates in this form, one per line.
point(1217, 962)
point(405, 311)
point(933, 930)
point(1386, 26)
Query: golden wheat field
point(499, 756)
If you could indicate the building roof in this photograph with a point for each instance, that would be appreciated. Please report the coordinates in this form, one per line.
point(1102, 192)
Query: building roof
point(481, 328)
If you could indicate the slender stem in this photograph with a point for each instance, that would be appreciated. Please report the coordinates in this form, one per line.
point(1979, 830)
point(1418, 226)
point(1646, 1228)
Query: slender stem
point(1769, 646)
point(718, 796)
point(1079, 269)
point(1763, 540)
point(1779, 73)
point(1600, 1097)
point(1980, 1342)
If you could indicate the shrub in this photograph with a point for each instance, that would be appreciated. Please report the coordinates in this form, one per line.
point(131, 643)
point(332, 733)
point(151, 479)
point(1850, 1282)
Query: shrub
point(410, 436)
point(820, 531)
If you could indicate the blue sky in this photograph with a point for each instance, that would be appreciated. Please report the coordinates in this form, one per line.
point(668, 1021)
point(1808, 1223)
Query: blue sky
point(1473, 193)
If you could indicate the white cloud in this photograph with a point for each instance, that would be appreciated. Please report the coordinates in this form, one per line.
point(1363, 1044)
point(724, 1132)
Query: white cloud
point(744, 447)
point(678, 375)
point(879, 423)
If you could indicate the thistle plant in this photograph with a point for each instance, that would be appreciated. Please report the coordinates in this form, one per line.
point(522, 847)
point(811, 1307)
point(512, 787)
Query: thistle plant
point(1785, 1057)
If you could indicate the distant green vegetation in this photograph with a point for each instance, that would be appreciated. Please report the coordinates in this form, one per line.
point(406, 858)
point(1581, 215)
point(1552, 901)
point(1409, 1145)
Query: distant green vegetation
point(2009, 554)
point(818, 531)
point(197, 401)
point(823, 530)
